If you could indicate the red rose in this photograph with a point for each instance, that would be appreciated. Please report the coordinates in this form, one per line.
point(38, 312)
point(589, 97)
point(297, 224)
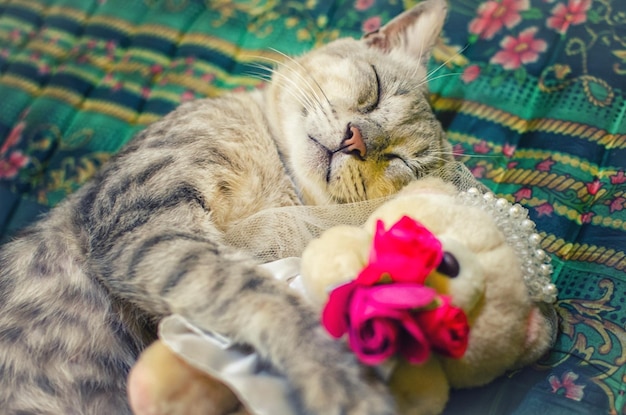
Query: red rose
point(446, 328)
point(407, 252)
point(380, 320)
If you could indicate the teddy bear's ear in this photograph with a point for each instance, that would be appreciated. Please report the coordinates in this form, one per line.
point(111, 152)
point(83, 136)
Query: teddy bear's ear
point(541, 331)
point(412, 34)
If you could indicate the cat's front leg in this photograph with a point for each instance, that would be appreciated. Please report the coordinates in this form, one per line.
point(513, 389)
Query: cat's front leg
point(217, 289)
point(325, 376)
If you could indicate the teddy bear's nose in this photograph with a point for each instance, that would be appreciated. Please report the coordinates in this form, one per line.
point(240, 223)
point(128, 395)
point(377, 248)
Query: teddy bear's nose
point(449, 265)
point(353, 142)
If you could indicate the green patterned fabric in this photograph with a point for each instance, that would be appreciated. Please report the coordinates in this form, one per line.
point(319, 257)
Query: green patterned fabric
point(530, 91)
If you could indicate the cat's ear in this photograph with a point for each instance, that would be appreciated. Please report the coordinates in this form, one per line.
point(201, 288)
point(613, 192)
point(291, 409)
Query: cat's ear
point(412, 33)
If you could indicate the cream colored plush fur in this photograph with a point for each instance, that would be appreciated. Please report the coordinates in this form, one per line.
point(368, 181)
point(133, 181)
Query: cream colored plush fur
point(507, 329)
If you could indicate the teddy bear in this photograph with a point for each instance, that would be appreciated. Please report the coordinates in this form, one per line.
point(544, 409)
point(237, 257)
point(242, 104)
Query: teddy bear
point(439, 289)
point(488, 265)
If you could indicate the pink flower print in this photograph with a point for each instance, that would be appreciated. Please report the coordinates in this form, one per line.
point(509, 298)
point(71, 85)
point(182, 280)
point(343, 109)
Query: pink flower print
point(520, 50)
point(145, 92)
point(593, 187)
point(523, 193)
point(618, 178)
point(458, 150)
point(493, 15)
point(563, 16)
point(12, 164)
point(545, 165)
point(187, 96)
point(617, 204)
point(566, 386)
point(508, 150)
point(482, 147)
point(363, 4)
point(208, 77)
point(156, 69)
point(545, 209)
point(14, 137)
point(512, 164)
point(372, 24)
point(470, 73)
point(586, 217)
point(15, 35)
point(478, 171)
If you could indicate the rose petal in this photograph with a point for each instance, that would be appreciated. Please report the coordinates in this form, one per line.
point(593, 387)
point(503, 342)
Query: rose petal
point(335, 313)
point(375, 341)
point(413, 344)
point(446, 328)
point(401, 295)
point(370, 275)
point(407, 252)
point(363, 308)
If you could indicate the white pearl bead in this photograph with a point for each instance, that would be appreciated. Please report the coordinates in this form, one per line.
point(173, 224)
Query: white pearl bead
point(534, 239)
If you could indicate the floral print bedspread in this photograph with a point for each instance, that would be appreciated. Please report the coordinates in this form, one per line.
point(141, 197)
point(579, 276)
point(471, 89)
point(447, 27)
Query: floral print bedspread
point(531, 93)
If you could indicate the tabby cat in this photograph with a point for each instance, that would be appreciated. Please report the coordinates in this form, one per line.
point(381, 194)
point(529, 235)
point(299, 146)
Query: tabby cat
point(82, 290)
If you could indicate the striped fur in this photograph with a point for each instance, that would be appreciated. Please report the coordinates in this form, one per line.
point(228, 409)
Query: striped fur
point(82, 290)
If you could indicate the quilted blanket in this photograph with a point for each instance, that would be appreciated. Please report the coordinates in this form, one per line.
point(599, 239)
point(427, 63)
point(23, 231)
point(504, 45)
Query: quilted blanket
point(531, 93)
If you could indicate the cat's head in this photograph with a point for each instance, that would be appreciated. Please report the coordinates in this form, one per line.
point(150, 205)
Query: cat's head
point(352, 117)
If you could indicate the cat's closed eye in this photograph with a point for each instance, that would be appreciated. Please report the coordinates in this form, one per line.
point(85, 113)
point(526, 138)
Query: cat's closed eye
point(369, 101)
point(393, 157)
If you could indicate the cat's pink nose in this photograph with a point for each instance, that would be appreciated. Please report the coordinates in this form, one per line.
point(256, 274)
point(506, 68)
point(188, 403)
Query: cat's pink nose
point(353, 142)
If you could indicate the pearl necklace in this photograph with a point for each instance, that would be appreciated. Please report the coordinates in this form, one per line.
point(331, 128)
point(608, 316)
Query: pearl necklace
point(519, 232)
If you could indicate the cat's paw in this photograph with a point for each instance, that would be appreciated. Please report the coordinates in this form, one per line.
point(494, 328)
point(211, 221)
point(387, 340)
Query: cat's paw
point(332, 382)
point(161, 383)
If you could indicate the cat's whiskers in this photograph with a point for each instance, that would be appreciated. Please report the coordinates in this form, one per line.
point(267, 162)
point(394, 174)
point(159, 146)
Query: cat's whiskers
point(296, 92)
point(294, 61)
point(315, 97)
point(447, 61)
point(471, 155)
point(308, 102)
point(438, 77)
point(429, 74)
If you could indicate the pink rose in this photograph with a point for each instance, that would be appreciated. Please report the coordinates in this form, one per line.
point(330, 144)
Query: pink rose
point(380, 320)
point(446, 328)
point(407, 252)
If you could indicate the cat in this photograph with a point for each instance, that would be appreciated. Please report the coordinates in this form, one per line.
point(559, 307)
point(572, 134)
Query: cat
point(83, 289)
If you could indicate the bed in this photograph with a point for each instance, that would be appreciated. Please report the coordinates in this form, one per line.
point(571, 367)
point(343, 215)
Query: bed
point(529, 91)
